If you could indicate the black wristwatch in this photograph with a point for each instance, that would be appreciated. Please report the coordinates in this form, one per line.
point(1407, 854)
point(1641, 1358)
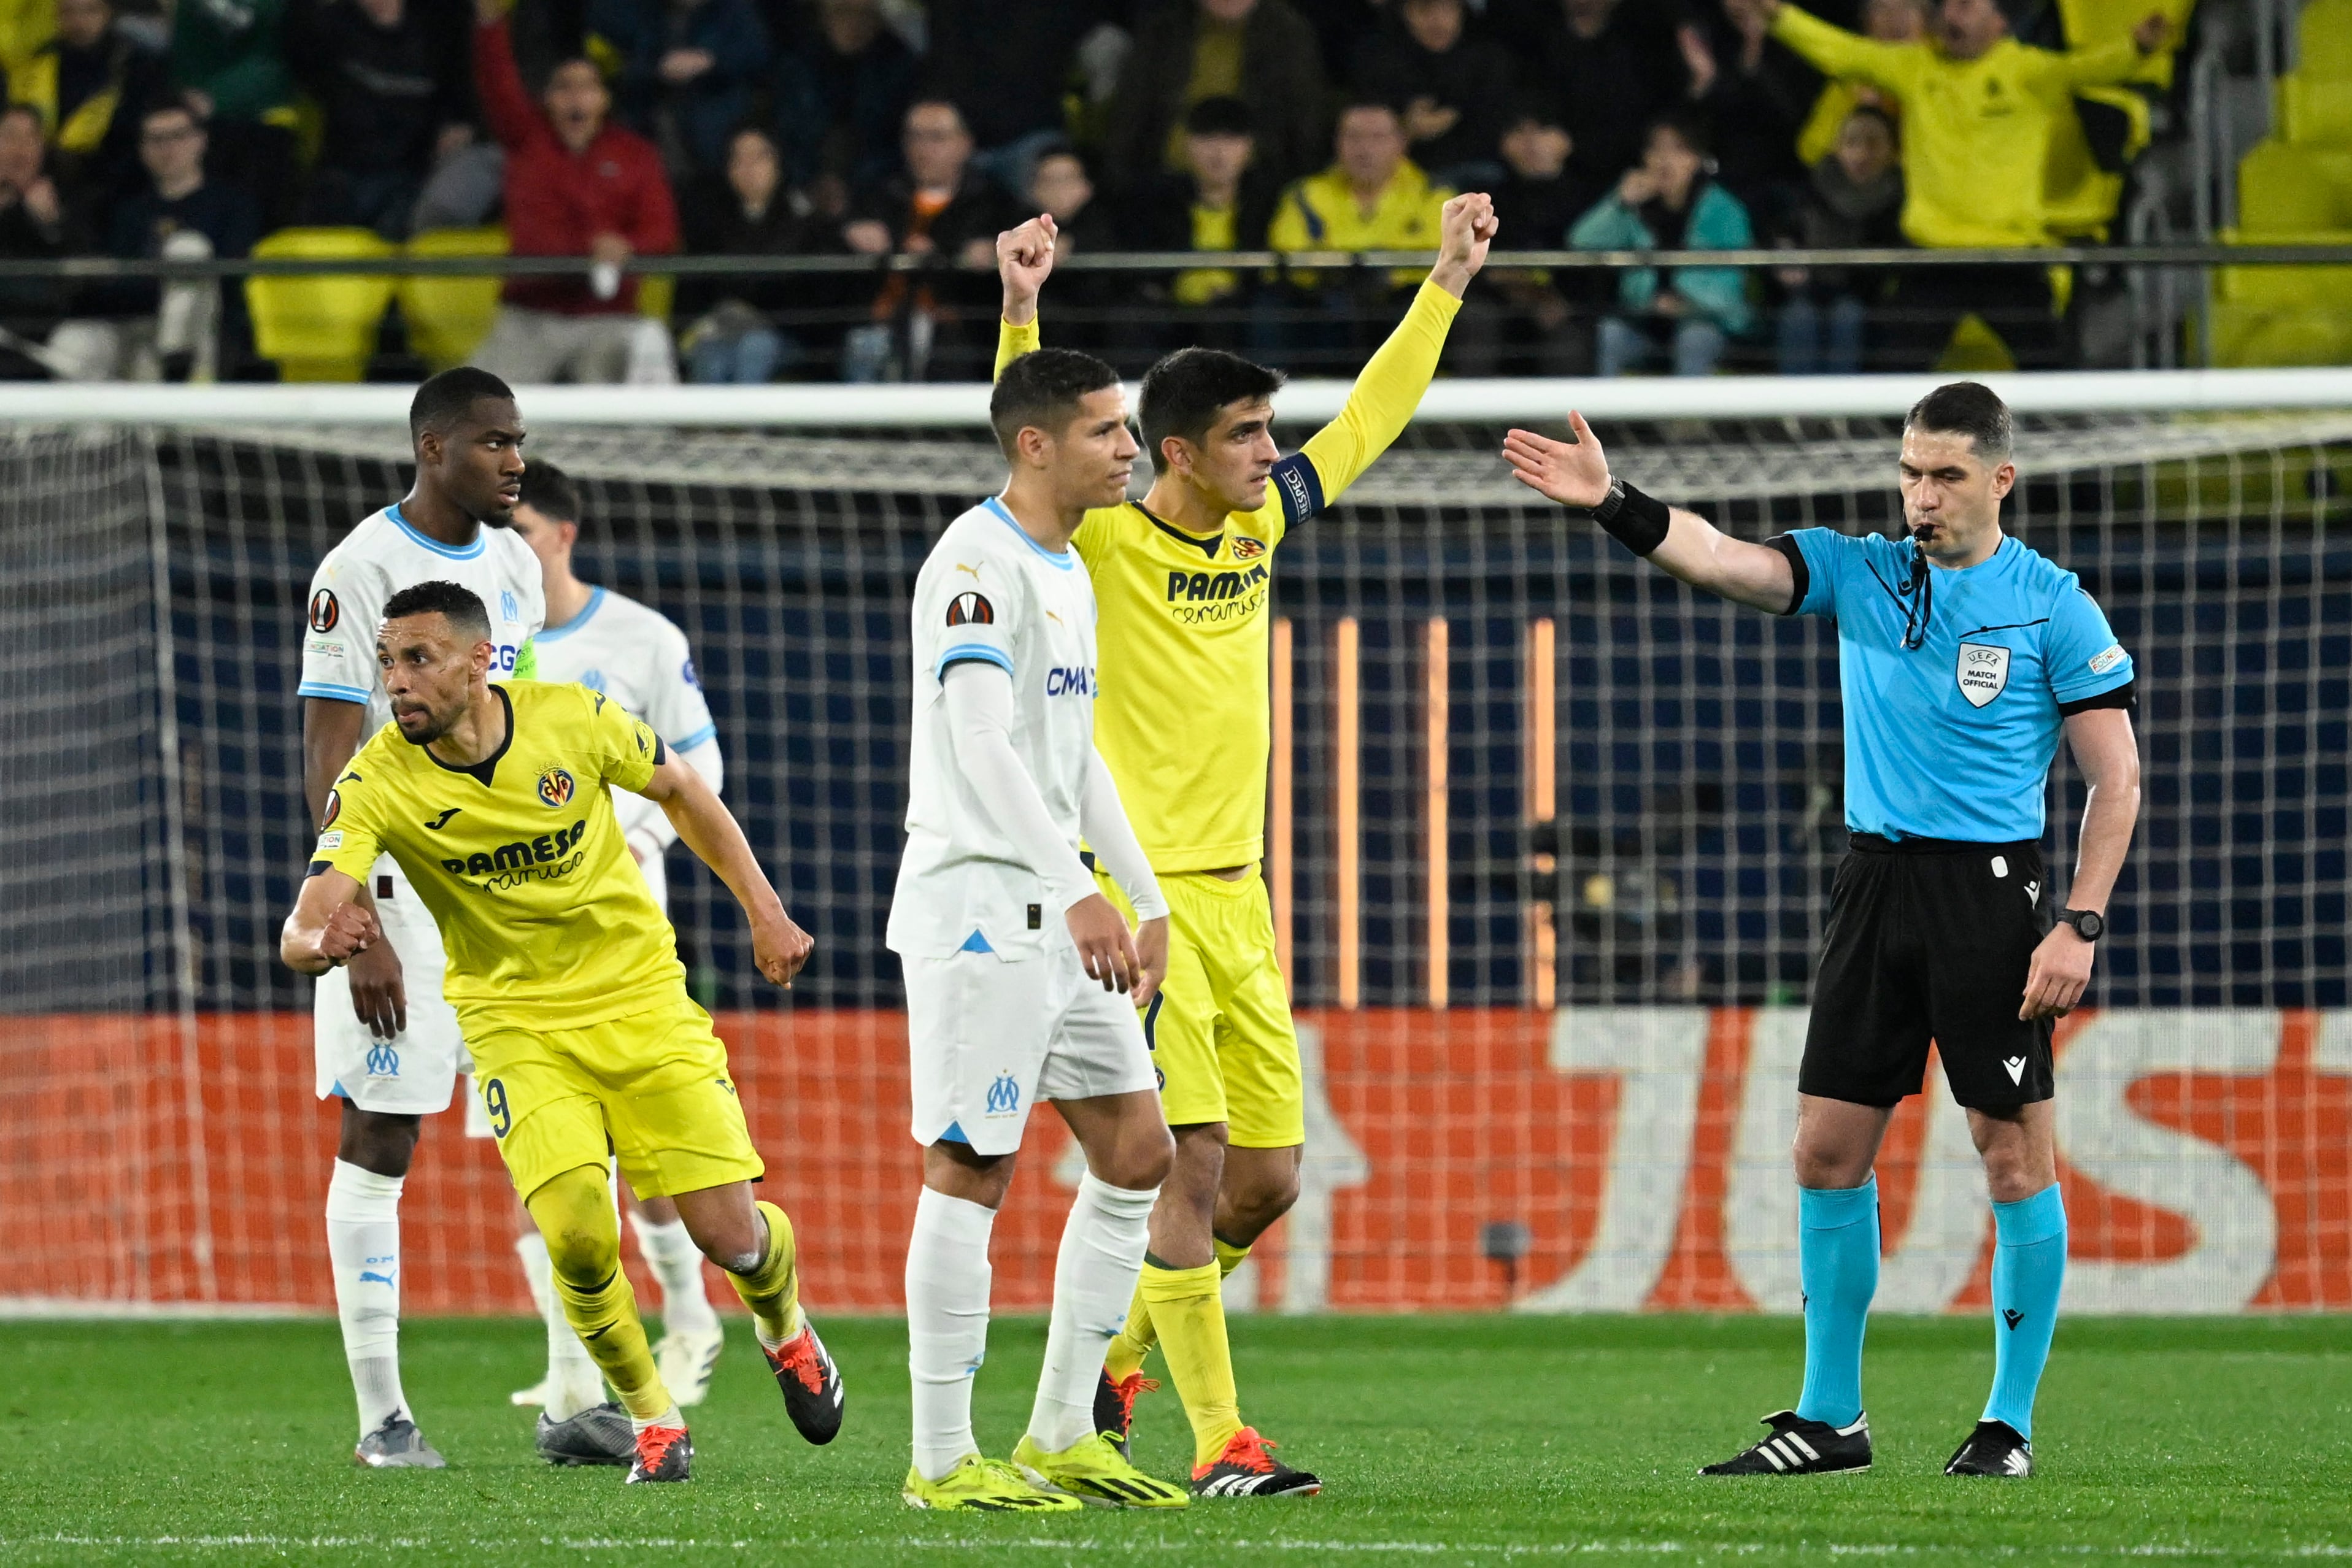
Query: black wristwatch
point(2088, 924)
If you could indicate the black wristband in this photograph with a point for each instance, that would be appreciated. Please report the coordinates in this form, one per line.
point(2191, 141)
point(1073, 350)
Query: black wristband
point(1638, 522)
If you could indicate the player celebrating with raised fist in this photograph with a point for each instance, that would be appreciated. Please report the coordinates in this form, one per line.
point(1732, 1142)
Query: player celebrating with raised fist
point(495, 801)
point(1962, 655)
point(1185, 580)
point(1019, 972)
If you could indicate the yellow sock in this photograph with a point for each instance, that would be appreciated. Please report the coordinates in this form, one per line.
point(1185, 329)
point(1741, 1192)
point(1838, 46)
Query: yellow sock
point(1190, 1314)
point(1134, 1340)
point(574, 1214)
point(1137, 1336)
point(772, 1290)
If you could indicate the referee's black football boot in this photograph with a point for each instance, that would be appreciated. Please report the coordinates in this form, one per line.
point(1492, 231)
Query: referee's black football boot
point(1994, 1448)
point(1246, 1470)
point(600, 1435)
point(1801, 1447)
point(811, 1383)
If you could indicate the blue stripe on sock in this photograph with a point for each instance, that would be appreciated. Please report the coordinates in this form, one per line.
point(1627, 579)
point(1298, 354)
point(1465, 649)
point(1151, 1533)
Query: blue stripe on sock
point(2029, 1266)
point(1837, 1254)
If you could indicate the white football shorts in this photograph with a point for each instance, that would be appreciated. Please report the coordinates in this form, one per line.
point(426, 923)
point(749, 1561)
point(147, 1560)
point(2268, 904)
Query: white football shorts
point(986, 1038)
point(414, 1073)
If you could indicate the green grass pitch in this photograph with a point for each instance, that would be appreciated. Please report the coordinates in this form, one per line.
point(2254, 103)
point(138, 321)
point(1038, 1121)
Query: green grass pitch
point(1441, 1440)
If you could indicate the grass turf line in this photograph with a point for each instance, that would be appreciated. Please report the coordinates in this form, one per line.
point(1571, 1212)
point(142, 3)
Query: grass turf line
point(1448, 1439)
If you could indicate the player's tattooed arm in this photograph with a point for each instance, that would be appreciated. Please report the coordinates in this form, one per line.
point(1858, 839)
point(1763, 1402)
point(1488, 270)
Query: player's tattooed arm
point(328, 925)
point(778, 946)
point(1576, 474)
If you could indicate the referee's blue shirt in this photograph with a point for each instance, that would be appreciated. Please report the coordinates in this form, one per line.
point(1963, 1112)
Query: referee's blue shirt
point(1953, 738)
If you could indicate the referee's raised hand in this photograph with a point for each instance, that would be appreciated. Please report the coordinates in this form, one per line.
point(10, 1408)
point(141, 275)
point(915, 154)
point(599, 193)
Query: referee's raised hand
point(1574, 474)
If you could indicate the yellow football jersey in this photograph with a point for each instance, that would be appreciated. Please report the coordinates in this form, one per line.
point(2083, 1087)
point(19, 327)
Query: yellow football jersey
point(1182, 632)
point(544, 915)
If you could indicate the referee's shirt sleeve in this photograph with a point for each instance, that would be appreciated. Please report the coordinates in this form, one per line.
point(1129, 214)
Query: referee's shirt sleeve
point(1817, 560)
point(2086, 667)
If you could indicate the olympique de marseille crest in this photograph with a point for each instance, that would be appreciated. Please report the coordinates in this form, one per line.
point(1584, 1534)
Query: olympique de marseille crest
point(1983, 672)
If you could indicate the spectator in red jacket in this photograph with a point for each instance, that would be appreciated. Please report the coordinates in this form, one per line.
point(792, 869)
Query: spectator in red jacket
point(577, 184)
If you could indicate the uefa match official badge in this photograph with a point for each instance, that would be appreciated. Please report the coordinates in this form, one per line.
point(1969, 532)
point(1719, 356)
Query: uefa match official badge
point(1983, 672)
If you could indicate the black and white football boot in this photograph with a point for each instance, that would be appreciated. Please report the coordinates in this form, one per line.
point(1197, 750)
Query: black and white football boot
point(1801, 1447)
point(1246, 1470)
point(1994, 1448)
point(600, 1435)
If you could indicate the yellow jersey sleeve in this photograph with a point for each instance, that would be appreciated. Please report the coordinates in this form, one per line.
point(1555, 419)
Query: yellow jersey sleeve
point(1012, 342)
point(1834, 52)
point(351, 830)
point(2109, 65)
point(625, 747)
point(1378, 407)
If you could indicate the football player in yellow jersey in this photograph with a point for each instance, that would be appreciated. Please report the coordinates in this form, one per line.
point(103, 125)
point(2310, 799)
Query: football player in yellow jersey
point(1183, 580)
point(565, 976)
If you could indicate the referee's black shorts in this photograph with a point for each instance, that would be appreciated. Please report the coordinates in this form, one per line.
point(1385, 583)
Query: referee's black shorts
point(1930, 939)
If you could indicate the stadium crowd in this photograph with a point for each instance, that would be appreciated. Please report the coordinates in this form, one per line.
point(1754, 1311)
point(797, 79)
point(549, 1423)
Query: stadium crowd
point(621, 128)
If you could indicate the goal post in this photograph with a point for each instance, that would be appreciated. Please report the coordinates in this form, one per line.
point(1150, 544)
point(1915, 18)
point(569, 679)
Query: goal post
point(1552, 834)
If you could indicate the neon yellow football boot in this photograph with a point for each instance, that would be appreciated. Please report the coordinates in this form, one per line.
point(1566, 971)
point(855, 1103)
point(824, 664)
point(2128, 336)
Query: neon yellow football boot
point(990, 1485)
point(1093, 1471)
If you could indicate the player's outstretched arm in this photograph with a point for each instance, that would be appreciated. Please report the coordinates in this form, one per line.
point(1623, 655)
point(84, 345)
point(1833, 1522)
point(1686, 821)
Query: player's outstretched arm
point(1024, 260)
point(778, 946)
point(328, 925)
point(2107, 753)
point(1576, 474)
point(1102, 816)
point(1382, 402)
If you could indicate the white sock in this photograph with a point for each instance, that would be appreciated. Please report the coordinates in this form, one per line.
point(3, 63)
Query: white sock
point(573, 1384)
point(669, 1417)
point(947, 1325)
point(1093, 1282)
point(678, 1265)
point(364, 1247)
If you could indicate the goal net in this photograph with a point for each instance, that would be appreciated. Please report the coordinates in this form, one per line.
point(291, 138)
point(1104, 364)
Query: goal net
point(1551, 846)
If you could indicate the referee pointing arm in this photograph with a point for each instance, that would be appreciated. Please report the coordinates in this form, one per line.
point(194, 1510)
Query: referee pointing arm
point(1961, 655)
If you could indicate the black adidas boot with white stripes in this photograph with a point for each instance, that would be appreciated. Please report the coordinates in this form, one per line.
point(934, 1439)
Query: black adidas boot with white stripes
point(1801, 1447)
point(1994, 1448)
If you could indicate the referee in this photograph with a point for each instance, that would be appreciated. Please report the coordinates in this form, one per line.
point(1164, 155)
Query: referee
point(1961, 654)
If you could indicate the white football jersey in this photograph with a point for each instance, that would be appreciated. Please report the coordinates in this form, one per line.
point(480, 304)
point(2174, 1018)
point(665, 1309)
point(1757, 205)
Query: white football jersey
point(638, 657)
point(990, 592)
point(383, 555)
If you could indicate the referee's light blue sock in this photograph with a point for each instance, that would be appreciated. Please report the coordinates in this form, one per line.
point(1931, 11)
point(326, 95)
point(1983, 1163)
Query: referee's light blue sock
point(2029, 1263)
point(1837, 1254)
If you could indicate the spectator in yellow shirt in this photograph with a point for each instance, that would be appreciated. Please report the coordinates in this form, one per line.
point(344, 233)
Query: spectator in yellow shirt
point(1887, 22)
point(1979, 108)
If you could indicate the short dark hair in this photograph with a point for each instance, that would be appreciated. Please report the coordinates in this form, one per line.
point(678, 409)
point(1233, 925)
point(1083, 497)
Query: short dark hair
point(1355, 102)
point(1871, 111)
point(550, 492)
point(1969, 409)
point(450, 396)
point(454, 600)
point(173, 103)
point(1223, 115)
point(1043, 390)
point(1183, 392)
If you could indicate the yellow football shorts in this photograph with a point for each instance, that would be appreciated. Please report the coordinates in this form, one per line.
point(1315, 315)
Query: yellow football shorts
point(651, 1090)
point(1220, 1029)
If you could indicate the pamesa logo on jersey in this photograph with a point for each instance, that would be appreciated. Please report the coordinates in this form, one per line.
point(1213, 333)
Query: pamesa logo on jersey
point(382, 1061)
point(1004, 1095)
point(556, 788)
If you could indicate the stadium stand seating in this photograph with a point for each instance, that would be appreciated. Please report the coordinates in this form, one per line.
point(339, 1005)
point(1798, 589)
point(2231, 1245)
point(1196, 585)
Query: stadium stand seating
point(320, 329)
